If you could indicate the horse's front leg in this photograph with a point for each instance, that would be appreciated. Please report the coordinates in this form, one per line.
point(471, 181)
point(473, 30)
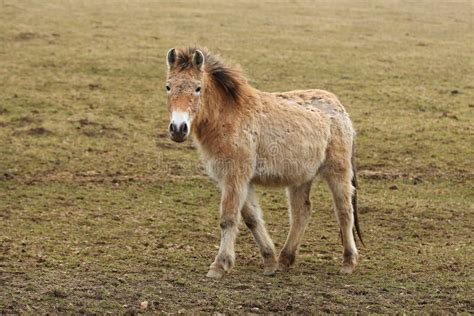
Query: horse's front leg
point(233, 197)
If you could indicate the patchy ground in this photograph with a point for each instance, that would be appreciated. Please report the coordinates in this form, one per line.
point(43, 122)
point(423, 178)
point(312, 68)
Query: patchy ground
point(100, 212)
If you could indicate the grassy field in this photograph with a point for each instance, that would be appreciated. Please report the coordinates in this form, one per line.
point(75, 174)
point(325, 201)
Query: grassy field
point(100, 211)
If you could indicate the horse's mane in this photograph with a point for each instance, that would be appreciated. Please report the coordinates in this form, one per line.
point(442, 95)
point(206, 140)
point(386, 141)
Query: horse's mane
point(229, 79)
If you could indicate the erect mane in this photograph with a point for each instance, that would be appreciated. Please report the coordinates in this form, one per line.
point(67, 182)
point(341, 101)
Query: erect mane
point(229, 79)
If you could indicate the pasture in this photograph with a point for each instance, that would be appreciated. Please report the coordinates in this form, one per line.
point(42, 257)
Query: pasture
point(101, 212)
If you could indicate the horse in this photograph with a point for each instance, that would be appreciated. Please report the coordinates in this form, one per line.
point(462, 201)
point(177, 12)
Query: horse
point(247, 137)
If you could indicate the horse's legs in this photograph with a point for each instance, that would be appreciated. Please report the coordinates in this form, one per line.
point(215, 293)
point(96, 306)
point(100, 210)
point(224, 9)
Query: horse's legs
point(252, 215)
point(300, 211)
point(341, 187)
point(232, 200)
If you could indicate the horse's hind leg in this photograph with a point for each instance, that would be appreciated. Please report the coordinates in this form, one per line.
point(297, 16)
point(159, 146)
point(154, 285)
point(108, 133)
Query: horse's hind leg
point(252, 215)
point(339, 183)
point(300, 211)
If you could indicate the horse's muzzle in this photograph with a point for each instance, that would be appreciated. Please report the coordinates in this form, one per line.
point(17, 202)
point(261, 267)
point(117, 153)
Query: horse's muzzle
point(178, 133)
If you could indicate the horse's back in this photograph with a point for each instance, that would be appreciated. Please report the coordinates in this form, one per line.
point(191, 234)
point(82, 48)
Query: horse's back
point(320, 99)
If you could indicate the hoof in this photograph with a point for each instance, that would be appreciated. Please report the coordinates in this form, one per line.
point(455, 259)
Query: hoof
point(270, 271)
point(215, 274)
point(285, 261)
point(283, 267)
point(270, 265)
point(347, 269)
point(221, 265)
point(349, 263)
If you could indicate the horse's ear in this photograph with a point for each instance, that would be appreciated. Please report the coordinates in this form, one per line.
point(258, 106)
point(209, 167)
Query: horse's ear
point(171, 57)
point(198, 59)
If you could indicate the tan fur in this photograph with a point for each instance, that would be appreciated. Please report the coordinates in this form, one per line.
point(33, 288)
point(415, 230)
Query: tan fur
point(249, 137)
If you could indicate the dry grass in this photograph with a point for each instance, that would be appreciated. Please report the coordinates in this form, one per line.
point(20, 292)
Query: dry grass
point(100, 211)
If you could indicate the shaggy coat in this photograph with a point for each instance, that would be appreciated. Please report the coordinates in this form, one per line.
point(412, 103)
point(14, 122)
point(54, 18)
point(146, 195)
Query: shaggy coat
point(247, 137)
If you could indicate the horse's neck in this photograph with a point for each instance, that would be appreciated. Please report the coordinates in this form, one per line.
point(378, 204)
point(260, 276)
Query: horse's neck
point(219, 114)
point(206, 125)
point(218, 117)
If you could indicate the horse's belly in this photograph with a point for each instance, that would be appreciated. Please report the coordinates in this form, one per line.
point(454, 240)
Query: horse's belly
point(276, 181)
point(285, 172)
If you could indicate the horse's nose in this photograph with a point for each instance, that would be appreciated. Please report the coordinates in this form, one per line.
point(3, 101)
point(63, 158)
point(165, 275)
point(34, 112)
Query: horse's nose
point(173, 128)
point(183, 129)
point(179, 132)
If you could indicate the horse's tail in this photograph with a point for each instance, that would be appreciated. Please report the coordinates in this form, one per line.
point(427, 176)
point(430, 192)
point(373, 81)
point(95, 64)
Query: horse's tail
point(354, 196)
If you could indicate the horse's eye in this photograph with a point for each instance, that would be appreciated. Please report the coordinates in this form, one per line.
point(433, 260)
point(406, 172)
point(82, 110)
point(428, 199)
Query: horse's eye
point(198, 89)
point(168, 88)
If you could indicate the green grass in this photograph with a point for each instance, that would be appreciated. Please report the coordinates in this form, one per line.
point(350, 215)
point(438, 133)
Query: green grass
point(100, 211)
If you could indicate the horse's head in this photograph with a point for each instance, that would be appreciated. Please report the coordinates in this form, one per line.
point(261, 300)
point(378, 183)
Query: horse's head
point(183, 86)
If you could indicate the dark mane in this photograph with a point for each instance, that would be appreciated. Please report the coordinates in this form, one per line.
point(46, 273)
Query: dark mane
point(228, 78)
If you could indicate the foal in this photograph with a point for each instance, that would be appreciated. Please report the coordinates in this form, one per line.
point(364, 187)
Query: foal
point(247, 137)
